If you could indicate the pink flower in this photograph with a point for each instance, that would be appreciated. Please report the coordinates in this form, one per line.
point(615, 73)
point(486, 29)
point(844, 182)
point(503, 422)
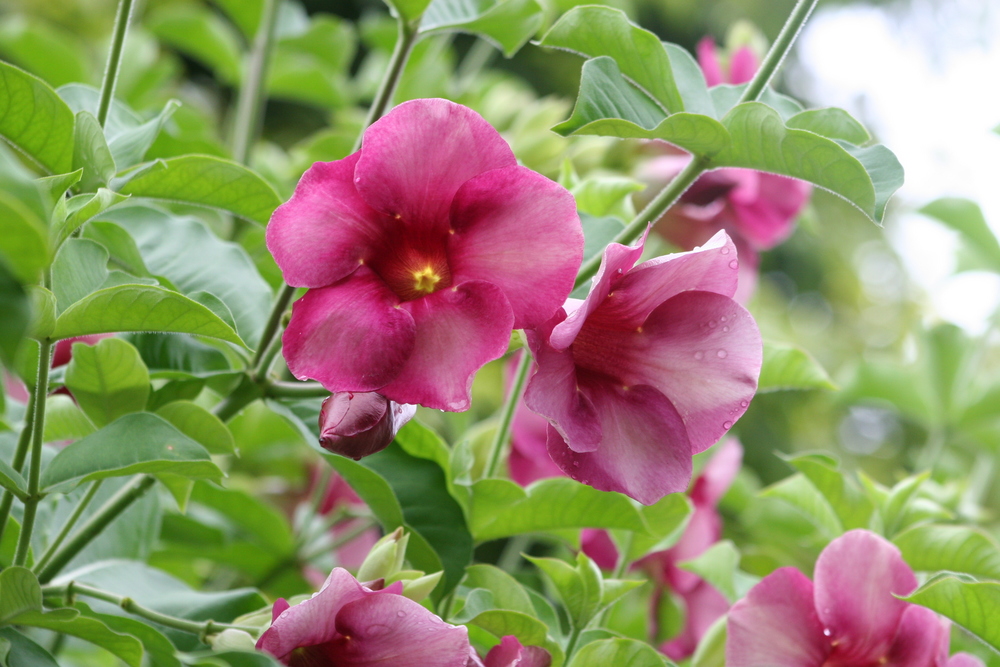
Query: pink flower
point(510, 653)
point(758, 210)
point(358, 424)
point(421, 251)
point(61, 355)
point(349, 625)
point(849, 617)
point(654, 366)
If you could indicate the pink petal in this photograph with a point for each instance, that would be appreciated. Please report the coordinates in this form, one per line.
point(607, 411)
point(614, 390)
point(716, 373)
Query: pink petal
point(510, 653)
point(312, 621)
point(393, 630)
point(458, 331)
point(703, 605)
point(965, 660)
point(616, 260)
point(356, 424)
point(766, 215)
point(921, 639)
point(351, 336)
point(742, 65)
point(856, 577)
point(718, 474)
point(553, 391)
point(326, 229)
point(703, 530)
point(710, 268)
point(520, 231)
point(597, 544)
point(529, 459)
point(776, 625)
point(63, 352)
point(708, 59)
point(700, 349)
point(644, 452)
point(417, 156)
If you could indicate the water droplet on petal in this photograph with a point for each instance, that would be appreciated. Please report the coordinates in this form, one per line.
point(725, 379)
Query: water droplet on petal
point(725, 329)
point(727, 425)
point(712, 324)
point(723, 318)
point(827, 632)
point(734, 264)
point(725, 251)
point(743, 404)
point(576, 464)
point(699, 355)
point(401, 613)
point(721, 354)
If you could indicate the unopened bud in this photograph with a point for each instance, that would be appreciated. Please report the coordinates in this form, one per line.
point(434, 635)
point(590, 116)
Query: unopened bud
point(419, 588)
point(385, 558)
point(232, 640)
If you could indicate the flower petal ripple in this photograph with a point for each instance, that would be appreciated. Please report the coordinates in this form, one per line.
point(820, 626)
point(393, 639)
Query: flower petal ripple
point(421, 252)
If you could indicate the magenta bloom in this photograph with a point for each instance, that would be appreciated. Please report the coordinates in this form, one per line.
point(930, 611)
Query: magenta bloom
point(349, 625)
point(847, 618)
point(421, 251)
point(358, 424)
point(654, 366)
point(742, 64)
point(510, 653)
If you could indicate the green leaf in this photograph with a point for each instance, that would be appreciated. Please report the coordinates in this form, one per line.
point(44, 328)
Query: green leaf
point(711, 651)
point(507, 592)
point(70, 622)
point(135, 443)
point(23, 239)
point(258, 518)
point(120, 245)
point(108, 380)
point(832, 123)
point(599, 195)
point(140, 308)
point(500, 508)
point(55, 55)
point(899, 499)
point(865, 177)
point(43, 312)
point(594, 31)
point(19, 593)
point(80, 268)
point(617, 652)
point(200, 425)
point(91, 207)
point(799, 492)
point(579, 588)
point(64, 420)
point(787, 367)
point(410, 489)
point(507, 23)
point(934, 547)
point(157, 647)
point(408, 10)
point(852, 506)
point(179, 249)
point(209, 181)
point(608, 105)
point(966, 218)
point(23, 652)
point(91, 152)
point(719, 566)
point(200, 33)
point(244, 13)
point(11, 480)
point(16, 308)
point(667, 519)
point(973, 605)
point(35, 120)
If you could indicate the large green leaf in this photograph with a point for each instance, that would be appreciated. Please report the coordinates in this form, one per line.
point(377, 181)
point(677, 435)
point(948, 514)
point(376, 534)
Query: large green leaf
point(200, 33)
point(499, 508)
point(19, 593)
point(580, 588)
point(91, 152)
point(617, 652)
point(408, 10)
point(209, 181)
point(507, 23)
point(80, 268)
point(831, 123)
point(787, 367)
point(140, 308)
point(24, 245)
point(52, 53)
point(594, 31)
point(157, 648)
point(35, 120)
point(246, 14)
point(507, 592)
point(16, 309)
point(406, 484)
point(666, 519)
point(967, 219)
point(934, 547)
point(973, 605)
point(108, 380)
point(135, 443)
point(200, 425)
point(179, 248)
point(70, 622)
point(23, 652)
point(800, 493)
point(608, 105)
point(852, 506)
point(865, 177)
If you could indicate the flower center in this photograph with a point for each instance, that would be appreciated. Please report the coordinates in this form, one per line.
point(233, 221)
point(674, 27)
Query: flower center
point(414, 267)
point(425, 280)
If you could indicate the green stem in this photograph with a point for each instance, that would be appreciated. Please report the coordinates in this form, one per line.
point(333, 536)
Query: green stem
point(623, 562)
point(20, 454)
point(404, 44)
point(276, 389)
point(114, 60)
point(776, 54)
point(698, 165)
point(68, 526)
point(273, 323)
point(98, 521)
point(34, 473)
point(202, 629)
point(507, 415)
point(574, 637)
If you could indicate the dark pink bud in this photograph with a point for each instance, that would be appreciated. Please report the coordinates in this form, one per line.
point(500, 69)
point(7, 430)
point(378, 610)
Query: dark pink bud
point(356, 424)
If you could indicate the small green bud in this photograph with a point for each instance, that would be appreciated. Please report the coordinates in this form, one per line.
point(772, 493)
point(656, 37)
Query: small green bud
point(419, 588)
point(385, 558)
point(232, 640)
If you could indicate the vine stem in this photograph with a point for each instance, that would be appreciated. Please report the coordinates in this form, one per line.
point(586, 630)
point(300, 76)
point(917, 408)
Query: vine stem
point(202, 629)
point(114, 60)
point(34, 473)
point(20, 454)
point(502, 434)
point(95, 486)
point(400, 53)
point(673, 191)
point(97, 522)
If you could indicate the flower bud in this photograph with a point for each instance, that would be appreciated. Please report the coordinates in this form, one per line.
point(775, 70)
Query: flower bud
point(386, 557)
point(356, 424)
point(419, 588)
point(232, 640)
